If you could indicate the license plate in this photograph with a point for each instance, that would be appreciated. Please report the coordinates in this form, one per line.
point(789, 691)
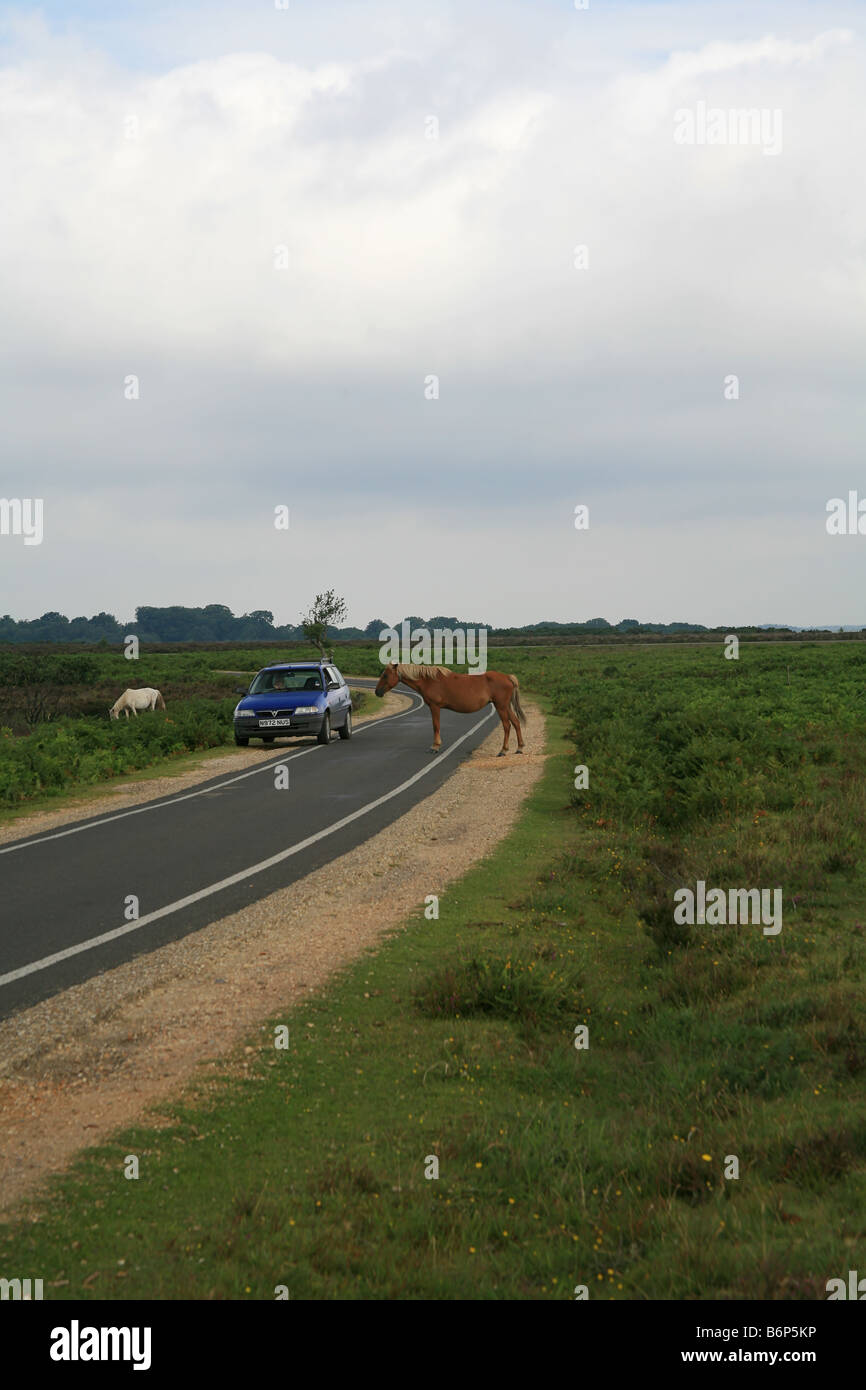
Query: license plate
point(273, 723)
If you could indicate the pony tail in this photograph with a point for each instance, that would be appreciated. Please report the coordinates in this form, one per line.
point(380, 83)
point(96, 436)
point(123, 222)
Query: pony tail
point(160, 702)
point(515, 700)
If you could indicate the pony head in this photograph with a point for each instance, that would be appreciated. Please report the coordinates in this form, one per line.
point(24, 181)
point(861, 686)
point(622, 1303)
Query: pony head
point(388, 679)
point(114, 711)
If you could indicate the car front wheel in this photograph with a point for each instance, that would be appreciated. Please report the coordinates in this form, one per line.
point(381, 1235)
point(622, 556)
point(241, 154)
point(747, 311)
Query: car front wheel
point(346, 731)
point(324, 734)
point(241, 741)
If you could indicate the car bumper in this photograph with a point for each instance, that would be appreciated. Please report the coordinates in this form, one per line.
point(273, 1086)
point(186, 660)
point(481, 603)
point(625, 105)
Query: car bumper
point(303, 724)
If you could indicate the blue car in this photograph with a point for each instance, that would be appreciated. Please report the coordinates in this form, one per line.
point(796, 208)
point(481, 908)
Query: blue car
point(298, 699)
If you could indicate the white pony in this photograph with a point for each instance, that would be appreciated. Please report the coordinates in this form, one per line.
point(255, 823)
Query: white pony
point(135, 700)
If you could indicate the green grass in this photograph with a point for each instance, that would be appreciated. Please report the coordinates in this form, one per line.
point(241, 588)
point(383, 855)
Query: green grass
point(557, 1167)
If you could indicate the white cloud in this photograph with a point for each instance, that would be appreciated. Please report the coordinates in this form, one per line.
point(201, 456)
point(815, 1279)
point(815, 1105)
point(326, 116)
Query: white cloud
point(727, 57)
point(141, 237)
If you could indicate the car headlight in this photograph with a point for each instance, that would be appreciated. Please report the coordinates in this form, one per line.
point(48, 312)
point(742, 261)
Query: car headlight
point(306, 709)
point(245, 713)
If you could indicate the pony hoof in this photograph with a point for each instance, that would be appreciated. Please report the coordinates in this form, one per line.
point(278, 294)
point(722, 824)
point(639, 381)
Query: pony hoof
point(434, 749)
point(518, 750)
point(501, 754)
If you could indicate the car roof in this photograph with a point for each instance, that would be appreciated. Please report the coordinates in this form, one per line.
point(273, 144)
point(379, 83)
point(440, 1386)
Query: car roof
point(297, 665)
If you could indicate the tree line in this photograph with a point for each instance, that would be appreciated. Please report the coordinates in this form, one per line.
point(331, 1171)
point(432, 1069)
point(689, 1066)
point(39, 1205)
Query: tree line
point(216, 623)
point(213, 623)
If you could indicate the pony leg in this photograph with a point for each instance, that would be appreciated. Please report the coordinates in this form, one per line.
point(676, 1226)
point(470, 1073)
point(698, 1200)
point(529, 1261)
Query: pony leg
point(506, 730)
point(435, 713)
point(517, 729)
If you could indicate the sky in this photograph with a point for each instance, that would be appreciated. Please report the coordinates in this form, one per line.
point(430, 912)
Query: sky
point(431, 276)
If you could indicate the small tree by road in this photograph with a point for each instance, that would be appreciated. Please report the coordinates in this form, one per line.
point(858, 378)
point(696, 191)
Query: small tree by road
point(327, 610)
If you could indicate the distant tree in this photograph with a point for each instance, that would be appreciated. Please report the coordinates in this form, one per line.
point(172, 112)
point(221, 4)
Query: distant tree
point(254, 627)
point(327, 610)
point(218, 622)
point(213, 623)
point(373, 629)
point(440, 620)
point(163, 624)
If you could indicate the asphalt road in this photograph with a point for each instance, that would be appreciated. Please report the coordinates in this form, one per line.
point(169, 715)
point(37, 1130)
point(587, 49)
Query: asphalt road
point(199, 855)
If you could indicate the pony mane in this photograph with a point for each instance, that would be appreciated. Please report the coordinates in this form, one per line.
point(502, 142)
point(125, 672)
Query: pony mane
point(420, 673)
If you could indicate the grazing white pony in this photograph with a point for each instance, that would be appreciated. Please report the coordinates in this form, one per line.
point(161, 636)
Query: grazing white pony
point(135, 700)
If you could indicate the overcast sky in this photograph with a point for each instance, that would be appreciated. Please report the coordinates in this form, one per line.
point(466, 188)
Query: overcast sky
point(284, 222)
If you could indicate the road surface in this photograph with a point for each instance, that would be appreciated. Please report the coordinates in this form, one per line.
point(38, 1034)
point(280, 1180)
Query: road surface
point(194, 857)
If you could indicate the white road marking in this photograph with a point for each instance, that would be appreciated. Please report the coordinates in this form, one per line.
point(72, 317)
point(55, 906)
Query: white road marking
point(145, 921)
point(188, 796)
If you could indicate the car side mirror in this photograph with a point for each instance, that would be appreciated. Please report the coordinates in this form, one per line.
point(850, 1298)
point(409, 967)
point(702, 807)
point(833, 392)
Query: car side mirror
point(333, 685)
point(240, 690)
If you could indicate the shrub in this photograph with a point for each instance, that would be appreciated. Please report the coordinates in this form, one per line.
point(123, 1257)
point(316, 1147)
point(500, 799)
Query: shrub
point(516, 989)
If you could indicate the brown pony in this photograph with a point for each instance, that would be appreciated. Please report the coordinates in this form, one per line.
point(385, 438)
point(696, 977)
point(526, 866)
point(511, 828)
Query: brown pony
point(441, 689)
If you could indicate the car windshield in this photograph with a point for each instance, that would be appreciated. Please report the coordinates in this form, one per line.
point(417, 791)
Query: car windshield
point(266, 681)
